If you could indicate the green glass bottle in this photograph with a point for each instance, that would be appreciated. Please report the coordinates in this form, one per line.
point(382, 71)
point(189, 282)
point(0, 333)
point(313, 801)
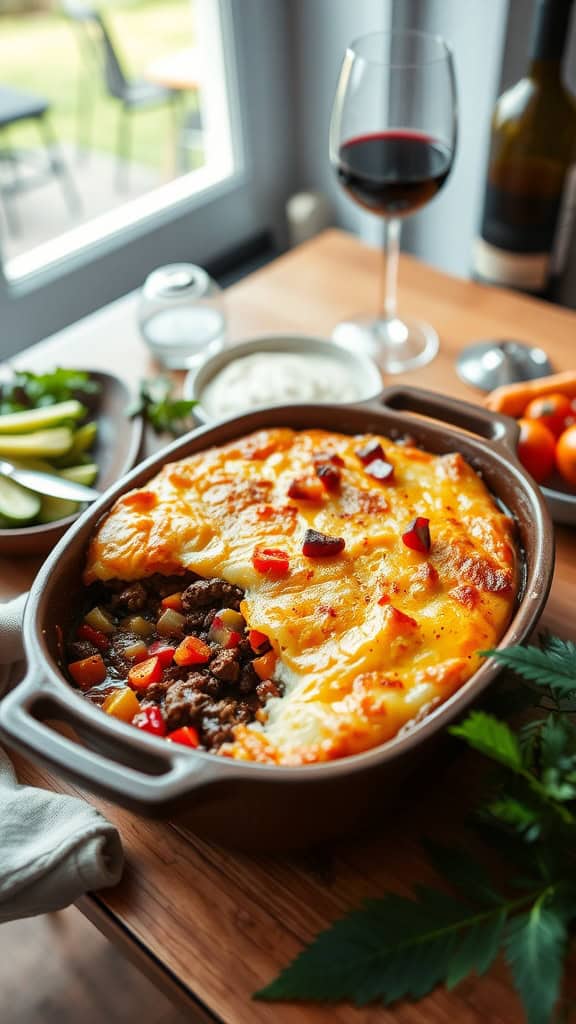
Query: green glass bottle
point(530, 198)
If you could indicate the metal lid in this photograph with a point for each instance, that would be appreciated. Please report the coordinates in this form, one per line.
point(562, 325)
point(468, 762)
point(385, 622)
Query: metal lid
point(177, 280)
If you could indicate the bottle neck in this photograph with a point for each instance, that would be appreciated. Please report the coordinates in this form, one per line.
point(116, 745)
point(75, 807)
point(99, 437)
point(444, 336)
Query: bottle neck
point(549, 36)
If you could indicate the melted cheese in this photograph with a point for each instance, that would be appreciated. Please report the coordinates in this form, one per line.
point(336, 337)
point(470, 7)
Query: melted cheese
point(367, 640)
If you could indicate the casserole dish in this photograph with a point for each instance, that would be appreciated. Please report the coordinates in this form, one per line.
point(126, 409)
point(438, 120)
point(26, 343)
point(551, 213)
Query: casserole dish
point(246, 803)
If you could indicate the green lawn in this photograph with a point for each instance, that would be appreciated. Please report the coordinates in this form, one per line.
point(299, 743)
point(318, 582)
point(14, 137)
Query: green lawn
point(40, 53)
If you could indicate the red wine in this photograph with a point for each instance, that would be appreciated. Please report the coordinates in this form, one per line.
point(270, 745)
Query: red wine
point(393, 173)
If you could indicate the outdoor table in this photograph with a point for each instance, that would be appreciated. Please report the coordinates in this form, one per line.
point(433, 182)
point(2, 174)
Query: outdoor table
point(210, 925)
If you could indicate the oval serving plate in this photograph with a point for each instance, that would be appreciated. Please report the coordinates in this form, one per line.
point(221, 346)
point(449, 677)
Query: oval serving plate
point(116, 450)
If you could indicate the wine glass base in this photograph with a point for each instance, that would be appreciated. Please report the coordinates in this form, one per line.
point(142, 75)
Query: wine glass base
point(395, 345)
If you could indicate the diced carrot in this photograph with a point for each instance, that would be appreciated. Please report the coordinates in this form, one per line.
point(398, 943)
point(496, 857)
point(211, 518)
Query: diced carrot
point(122, 704)
point(88, 671)
point(146, 672)
point(187, 736)
point(265, 665)
point(173, 601)
point(192, 651)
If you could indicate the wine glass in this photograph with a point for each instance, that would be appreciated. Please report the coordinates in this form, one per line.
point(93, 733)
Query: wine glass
point(392, 144)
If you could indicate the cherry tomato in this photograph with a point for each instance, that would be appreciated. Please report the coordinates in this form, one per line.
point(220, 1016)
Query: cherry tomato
point(566, 455)
point(550, 410)
point(536, 448)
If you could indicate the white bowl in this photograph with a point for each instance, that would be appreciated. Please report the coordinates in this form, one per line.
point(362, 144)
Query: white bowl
point(361, 368)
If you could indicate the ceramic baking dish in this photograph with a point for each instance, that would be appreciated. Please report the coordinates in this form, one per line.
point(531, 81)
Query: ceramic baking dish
point(243, 803)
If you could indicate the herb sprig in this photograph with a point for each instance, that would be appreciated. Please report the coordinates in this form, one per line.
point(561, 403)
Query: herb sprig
point(394, 948)
point(27, 390)
point(164, 413)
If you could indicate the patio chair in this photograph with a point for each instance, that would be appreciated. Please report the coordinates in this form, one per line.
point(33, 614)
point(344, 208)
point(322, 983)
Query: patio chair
point(133, 94)
point(25, 170)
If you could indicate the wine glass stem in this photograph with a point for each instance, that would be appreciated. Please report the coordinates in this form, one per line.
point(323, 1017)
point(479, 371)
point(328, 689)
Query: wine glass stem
point(390, 269)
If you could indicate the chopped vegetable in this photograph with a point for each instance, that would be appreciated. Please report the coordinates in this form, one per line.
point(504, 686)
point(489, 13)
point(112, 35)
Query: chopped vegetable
point(145, 673)
point(163, 652)
point(139, 625)
point(85, 474)
point(264, 666)
point(256, 639)
point(170, 623)
point(122, 704)
point(95, 636)
point(18, 505)
point(320, 545)
point(150, 720)
point(27, 390)
point(53, 509)
point(98, 619)
point(42, 442)
point(38, 419)
point(192, 651)
point(88, 672)
point(187, 736)
point(271, 561)
point(173, 601)
point(328, 471)
point(417, 535)
point(136, 651)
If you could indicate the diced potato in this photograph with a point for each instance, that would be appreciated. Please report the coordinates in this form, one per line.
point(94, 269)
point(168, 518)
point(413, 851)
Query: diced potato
point(170, 623)
point(98, 619)
point(136, 651)
point(122, 704)
point(139, 625)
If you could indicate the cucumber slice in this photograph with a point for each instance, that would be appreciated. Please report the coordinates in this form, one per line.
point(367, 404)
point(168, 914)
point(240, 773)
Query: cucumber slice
point(52, 509)
point(37, 419)
point(18, 505)
point(84, 438)
point(81, 474)
point(41, 443)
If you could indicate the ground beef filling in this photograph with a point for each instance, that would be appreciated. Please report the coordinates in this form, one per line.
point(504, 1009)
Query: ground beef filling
point(213, 698)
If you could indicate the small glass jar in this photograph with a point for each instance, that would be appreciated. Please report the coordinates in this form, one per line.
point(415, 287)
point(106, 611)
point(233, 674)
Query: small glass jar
point(181, 315)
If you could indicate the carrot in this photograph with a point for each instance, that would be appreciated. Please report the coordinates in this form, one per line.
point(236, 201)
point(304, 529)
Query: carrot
point(512, 399)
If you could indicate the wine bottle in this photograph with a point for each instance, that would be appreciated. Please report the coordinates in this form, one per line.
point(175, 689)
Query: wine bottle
point(530, 198)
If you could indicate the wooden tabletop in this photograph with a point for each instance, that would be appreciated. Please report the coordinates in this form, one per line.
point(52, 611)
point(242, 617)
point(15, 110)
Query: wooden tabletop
point(210, 925)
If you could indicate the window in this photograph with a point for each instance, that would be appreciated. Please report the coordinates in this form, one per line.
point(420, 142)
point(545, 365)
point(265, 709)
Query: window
point(196, 213)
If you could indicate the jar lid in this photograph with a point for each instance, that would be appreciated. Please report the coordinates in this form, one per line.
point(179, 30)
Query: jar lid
point(176, 280)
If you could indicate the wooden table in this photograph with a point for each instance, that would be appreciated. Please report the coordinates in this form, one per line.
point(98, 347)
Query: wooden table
point(209, 925)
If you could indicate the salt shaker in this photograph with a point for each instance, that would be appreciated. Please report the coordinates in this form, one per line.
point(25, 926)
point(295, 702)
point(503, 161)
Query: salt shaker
point(181, 315)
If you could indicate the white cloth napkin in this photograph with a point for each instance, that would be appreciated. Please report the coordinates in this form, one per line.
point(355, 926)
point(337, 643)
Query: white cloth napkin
point(53, 847)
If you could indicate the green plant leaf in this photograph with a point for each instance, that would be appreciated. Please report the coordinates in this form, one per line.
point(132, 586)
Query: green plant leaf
point(553, 668)
point(491, 737)
point(518, 815)
point(535, 947)
point(462, 871)
point(392, 948)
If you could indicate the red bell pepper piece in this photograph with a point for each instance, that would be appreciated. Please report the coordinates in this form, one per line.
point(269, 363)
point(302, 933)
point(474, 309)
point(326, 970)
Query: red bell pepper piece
point(417, 536)
point(163, 651)
point(192, 651)
point(372, 450)
point(150, 720)
point(271, 561)
point(187, 736)
point(95, 636)
point(88, 672)
point(256, 639)
point(145, 673)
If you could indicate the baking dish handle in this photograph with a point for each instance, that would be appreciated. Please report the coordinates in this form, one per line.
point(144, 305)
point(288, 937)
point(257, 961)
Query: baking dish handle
point(164, 772)
point(491, 425)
